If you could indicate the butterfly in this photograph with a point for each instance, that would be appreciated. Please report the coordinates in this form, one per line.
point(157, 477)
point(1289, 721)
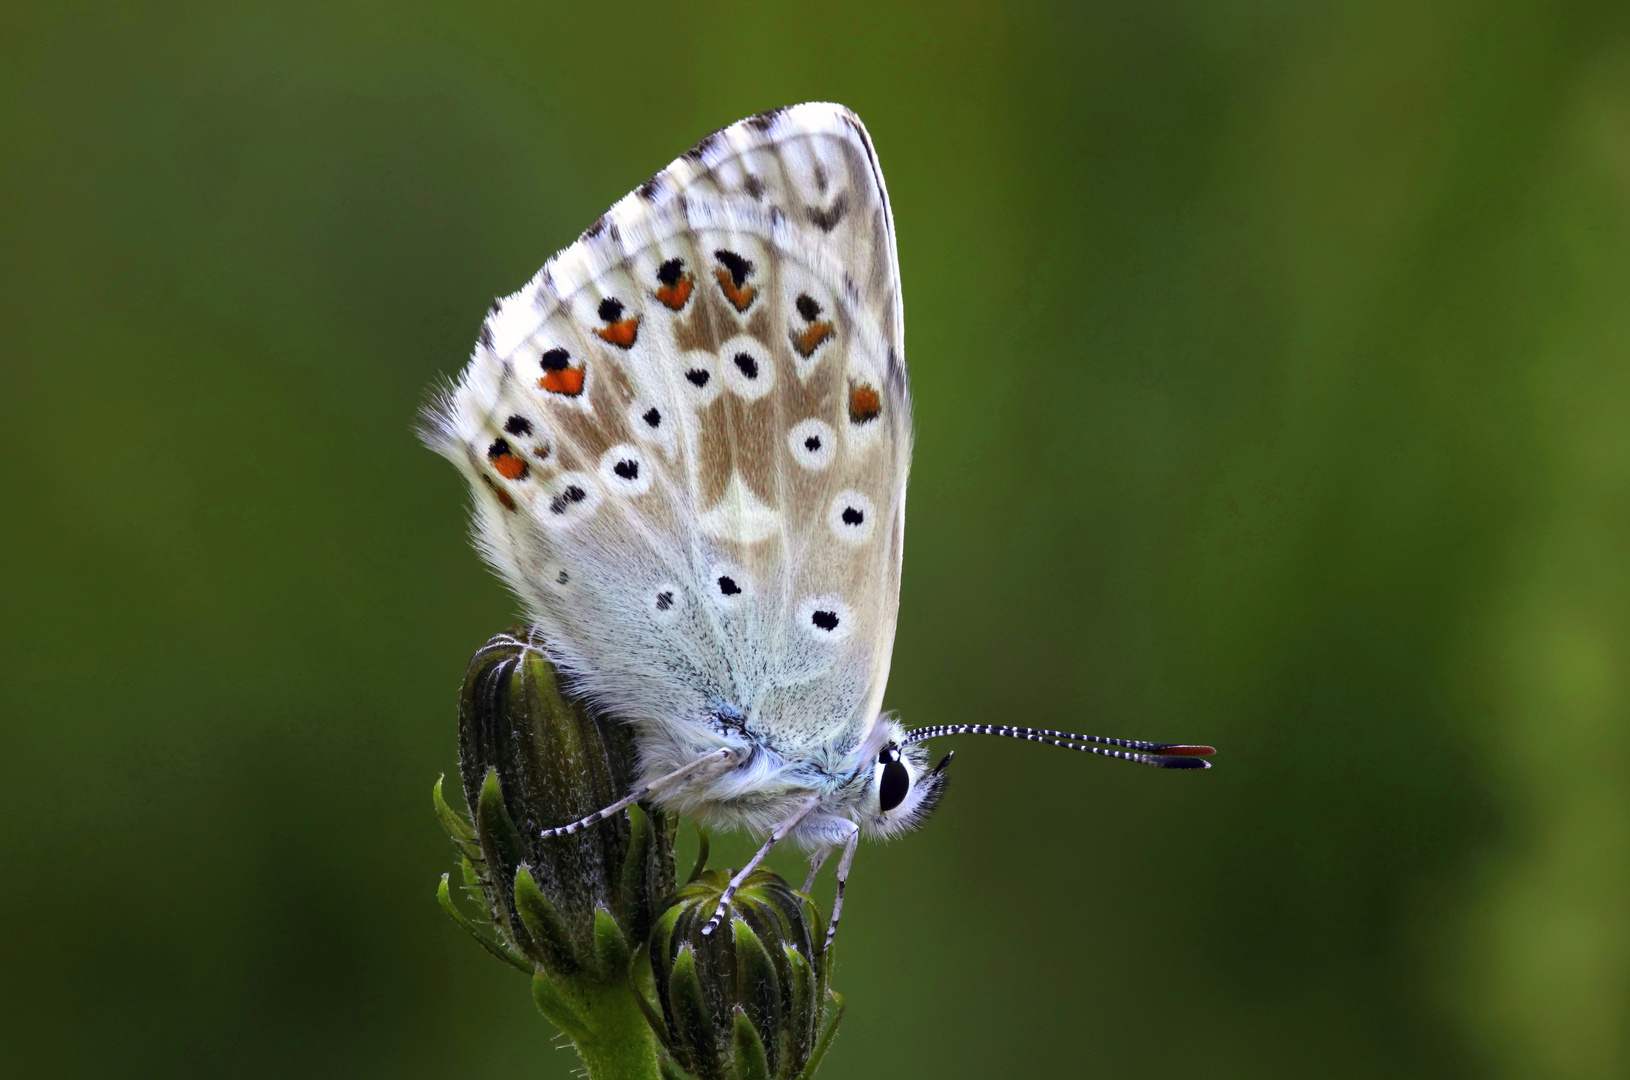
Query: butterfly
point(687, 441)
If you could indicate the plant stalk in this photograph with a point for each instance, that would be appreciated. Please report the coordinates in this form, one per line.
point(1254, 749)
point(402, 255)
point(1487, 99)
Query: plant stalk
point(613, 1039)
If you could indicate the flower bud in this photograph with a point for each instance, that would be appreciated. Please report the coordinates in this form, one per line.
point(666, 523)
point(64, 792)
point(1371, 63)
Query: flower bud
point(749, 1000)
point(569, 907)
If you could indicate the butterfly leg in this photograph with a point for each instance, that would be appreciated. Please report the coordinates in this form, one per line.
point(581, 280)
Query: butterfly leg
point(715, 757)
point(776, 836)
point(817, 859)
point(849, 846)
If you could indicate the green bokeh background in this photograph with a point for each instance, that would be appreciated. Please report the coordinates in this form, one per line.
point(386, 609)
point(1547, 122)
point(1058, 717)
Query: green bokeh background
point(1272, 367)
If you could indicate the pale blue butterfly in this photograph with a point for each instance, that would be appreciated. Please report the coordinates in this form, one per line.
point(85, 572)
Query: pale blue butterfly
point(688, 439)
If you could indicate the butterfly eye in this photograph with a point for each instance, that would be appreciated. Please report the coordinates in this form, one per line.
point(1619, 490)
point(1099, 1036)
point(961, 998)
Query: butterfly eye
point(893, 780)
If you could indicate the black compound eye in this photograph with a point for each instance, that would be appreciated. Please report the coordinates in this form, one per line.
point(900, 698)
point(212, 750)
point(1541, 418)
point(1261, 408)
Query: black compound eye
point(895, 782)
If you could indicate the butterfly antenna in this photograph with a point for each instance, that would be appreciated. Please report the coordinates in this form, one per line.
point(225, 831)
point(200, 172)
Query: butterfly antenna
point(1160, 755)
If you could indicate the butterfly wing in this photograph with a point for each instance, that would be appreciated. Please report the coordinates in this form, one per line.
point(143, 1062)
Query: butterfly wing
point(688, 439)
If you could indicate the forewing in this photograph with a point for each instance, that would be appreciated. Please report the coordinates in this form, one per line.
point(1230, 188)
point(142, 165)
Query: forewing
point(688, 437)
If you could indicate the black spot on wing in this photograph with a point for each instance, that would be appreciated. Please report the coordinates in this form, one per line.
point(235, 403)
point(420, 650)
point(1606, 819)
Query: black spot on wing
point(571, 495)
point(596, 229)
point(738, 267)
point(651, 188)
point(485, 337)
point(827, 220)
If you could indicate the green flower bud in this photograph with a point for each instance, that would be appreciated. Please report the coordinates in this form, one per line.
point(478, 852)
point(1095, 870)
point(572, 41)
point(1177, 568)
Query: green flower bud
point(750, 1001)
point(571, 907)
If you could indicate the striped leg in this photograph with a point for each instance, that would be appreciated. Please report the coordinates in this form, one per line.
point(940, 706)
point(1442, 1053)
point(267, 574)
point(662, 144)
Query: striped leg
point(843, 880)
point(817, 859)
point(776, 836)
point(713, 758)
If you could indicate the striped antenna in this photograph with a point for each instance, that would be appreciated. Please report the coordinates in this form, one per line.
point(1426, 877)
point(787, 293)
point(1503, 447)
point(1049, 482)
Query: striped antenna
point(1160, 755)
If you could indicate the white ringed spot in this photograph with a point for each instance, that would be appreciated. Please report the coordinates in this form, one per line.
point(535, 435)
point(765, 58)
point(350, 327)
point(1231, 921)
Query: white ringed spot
point(747, 367)
point(812, 442)
point(850, 517)
point(625, 471)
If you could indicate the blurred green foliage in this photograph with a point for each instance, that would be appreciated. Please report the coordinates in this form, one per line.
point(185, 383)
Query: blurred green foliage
point(1272, 367)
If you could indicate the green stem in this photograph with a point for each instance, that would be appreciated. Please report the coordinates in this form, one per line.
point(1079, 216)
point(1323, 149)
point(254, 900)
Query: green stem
point(605, 1024)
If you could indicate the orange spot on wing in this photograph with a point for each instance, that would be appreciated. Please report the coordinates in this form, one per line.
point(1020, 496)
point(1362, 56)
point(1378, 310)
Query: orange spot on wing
point(741, 299)
point(675, 296)
point(568, 381)
point(807, 342)
point(864, 404)
point(509, 467)
point(620, 334)
point(503, 496)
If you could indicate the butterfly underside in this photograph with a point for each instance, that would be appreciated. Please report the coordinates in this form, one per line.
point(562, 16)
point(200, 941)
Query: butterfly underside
point(688, 439)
